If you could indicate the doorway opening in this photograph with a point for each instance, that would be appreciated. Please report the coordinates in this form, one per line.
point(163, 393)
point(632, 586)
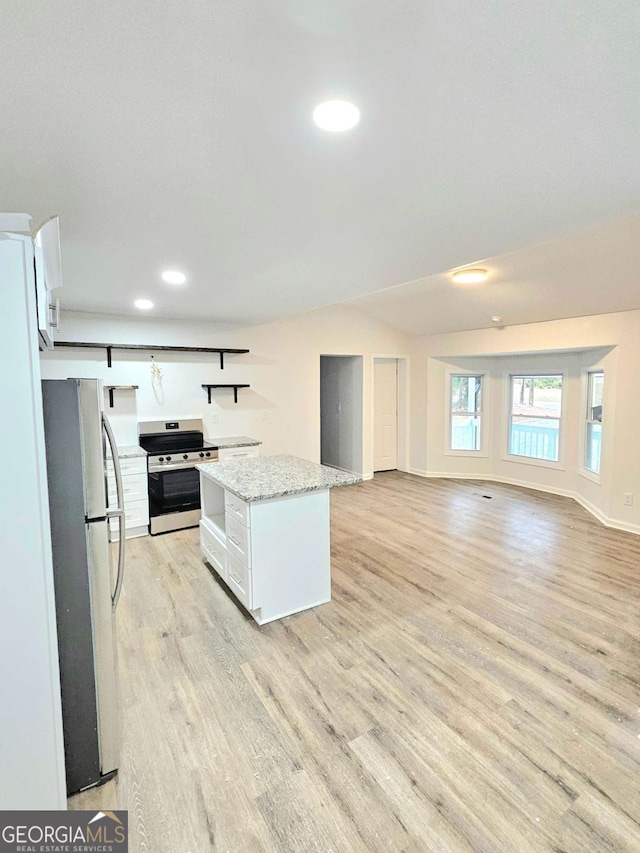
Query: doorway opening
point(341, 411)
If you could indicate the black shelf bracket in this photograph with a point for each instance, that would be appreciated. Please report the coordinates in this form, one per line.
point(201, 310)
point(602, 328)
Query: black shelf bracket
point(230, 385)
point(112, 388)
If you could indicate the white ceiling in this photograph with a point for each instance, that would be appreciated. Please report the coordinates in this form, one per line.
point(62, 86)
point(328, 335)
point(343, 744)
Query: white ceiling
point(178, 134)
point(594, 272)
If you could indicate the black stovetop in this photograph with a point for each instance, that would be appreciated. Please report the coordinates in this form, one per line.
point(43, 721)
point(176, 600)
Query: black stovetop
point(175, 442)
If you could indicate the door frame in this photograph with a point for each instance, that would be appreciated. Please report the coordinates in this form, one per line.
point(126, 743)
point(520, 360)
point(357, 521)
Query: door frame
point(403, 362)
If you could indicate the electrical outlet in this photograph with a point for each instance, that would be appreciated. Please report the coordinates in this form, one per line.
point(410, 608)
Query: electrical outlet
point(339, 408)
point(628, 499)
point(214, 419)
point(265, 414)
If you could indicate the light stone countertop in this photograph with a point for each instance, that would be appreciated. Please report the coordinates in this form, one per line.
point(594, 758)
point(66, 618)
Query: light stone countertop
point(233, 441)
point(265, 477)
point(128, 451)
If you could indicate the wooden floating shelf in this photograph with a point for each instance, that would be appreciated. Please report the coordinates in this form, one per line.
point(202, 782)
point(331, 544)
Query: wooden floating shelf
point(235, 387)
point(112, 388)
point(150, 348)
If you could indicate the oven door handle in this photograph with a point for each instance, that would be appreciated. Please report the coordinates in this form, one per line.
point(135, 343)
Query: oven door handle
point(166, 469)
point(117, 513)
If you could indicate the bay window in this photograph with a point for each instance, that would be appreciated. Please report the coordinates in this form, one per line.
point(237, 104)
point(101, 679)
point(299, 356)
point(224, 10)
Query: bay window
point(465, 412)
point(535, 416)
point(593, 438)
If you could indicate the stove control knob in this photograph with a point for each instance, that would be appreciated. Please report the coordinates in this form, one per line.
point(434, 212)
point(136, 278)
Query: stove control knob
point(168, 459)
point(201, 455)
point(185, 455)
point(207, 453)
point(161, 459)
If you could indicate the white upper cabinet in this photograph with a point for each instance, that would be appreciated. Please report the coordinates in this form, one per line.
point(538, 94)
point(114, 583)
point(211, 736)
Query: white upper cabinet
point(48, 278)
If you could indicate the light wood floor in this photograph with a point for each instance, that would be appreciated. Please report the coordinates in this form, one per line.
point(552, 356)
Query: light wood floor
point(473, 686)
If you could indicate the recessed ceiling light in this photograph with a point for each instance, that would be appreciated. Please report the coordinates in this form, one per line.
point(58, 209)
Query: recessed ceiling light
point(143, 304)
point(496, 319)
point(174, 277)
point(336, 116)
point(474, 276)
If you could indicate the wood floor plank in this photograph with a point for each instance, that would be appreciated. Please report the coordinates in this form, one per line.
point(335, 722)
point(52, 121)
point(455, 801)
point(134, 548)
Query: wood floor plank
point(432, 824)
point(594, 823)
point(474, 685)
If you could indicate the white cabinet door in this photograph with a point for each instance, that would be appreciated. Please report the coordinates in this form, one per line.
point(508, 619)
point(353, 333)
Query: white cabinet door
point(134, 488)
point(136, 519)
point(48, 278)
point(135, 494)
point(239, 581)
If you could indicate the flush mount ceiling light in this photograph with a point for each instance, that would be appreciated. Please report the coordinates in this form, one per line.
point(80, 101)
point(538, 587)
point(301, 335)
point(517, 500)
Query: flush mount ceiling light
point(174, 277)
point(475, 276)
point(336, 116)
point(496, 319)
point(143, 304)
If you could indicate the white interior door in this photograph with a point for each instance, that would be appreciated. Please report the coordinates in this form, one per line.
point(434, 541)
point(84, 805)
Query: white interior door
point(385, 414)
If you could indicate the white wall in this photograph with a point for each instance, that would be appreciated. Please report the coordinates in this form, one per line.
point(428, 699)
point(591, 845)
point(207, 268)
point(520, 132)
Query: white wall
point(341, 413)
point(283, 370)
point(611, 341)
point(31, 745)
point(282, 407)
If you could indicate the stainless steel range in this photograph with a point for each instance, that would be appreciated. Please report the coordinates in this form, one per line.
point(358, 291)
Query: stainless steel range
point(174, 448)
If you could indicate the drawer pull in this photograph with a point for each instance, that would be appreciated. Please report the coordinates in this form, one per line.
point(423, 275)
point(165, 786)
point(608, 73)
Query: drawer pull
point(233, 577)
point(235, 541)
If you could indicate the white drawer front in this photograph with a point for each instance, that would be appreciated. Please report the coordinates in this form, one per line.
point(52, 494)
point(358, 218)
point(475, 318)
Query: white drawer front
point(238, 542)
point(239, 581)
point(235, 452)
point(135, 465)
point(135, 515)
point(213, 550)
point(134, 487)
point(236, 508)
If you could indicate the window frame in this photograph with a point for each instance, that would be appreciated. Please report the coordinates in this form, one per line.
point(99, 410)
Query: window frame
point(585, 472)
point(508, 408)
point(483, 451)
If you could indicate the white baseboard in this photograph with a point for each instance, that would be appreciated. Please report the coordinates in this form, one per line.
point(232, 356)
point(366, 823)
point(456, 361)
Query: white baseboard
point(614, 523)
point(550, 490)
point(605, 519)
point(593, 509)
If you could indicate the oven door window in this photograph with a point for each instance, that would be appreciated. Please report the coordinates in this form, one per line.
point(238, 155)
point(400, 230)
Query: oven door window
point(174, 491)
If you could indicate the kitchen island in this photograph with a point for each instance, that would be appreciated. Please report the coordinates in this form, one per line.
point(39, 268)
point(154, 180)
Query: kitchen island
point(265, 531)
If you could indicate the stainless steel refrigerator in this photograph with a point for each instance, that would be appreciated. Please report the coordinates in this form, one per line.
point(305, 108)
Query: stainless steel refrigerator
point(87, 577)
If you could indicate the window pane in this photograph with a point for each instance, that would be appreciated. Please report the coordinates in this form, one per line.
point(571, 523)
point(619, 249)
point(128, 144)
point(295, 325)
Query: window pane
point(466, 393)
point(465, 432)
point(596, 386)
point(536, 404)
point(535, 437)
point(594, 446)
point(536, 395)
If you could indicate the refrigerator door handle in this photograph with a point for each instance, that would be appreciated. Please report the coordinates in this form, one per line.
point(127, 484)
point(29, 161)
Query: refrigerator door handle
point(117, 513)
